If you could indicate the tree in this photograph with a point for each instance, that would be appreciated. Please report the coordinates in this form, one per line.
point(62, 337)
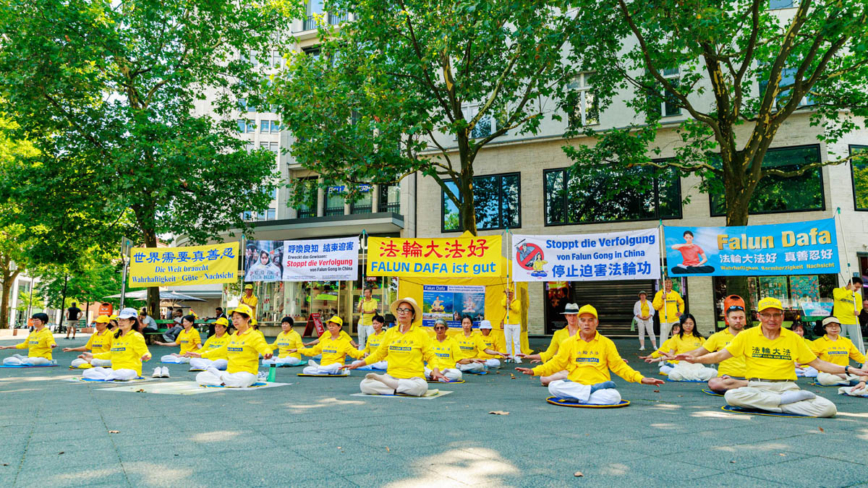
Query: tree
point(738, 71)
point(418, 86)
point(117, 90)
point(91, 280)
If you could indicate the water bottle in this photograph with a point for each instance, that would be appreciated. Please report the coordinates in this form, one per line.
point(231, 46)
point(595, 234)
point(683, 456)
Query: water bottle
point(272, 374)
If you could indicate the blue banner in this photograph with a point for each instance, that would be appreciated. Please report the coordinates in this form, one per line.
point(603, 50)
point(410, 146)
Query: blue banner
point(759, 250)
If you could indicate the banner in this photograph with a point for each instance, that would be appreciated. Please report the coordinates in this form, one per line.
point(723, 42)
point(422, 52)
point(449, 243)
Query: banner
point(309, 260)
point(632, 255)
point(184, 266)
point(451, 303)
point(758, 250)
point(470, 257)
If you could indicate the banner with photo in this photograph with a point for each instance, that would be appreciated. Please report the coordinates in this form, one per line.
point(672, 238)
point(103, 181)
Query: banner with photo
point(334, 259)
point(184, 266)
point(632, 255)
point(451, 303)
point(794, 248)
point(454, 257)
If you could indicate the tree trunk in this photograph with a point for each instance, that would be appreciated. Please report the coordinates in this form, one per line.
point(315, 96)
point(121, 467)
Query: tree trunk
point(154, 291)
point(737, 214)
point(63, 299)
point(8, 279)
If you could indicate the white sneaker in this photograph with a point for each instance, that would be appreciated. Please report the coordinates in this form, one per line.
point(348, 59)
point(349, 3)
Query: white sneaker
point(157, 372)
point(641, 348)
point(165, 372)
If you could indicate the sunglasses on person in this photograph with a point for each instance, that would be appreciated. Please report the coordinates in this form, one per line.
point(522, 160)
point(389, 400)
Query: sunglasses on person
point(733, 308)
point(440, 327)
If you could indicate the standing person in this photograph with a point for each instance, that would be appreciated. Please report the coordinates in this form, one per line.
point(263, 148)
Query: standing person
point(406, 347)
point(769, 352)
point(100, 341)
point(249, 299)
point(848, 305)
point(730, 373)
point(39, 344)
point(588, 357)
point(148, 322)
point(127, 353)
point(571, 314)
point(447, 352)
point(863, 318)
point(242, 351)
point(836, 350)
point(368, 308)
point(644, 315)
point(670, 305)
point(511, 325)
point(73, 313)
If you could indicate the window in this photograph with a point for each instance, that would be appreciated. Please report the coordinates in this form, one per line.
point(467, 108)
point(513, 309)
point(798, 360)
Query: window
point(335, 200)
point(788, 79)
point(389, 198)
point(365, 205)
point(269, 127)
point(484, 127)
point(779, 4)
point(248, 216)
point(307, 207)
point(859, 173)
point(585, 110)
point(497, 200)
point(336, 18)
point(275, 59)
point(313, 52)
point(600, 198)
point(314, 7)
point(270, 214)
point(665, 100)
point(271, 146)
point(247, 126)
point(774, 194)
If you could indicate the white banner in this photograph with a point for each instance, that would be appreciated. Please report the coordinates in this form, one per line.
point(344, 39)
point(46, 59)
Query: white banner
point(632, 255)
point(321, 260)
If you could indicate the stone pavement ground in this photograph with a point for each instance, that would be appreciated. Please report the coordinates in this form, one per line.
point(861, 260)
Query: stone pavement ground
point(313, 433)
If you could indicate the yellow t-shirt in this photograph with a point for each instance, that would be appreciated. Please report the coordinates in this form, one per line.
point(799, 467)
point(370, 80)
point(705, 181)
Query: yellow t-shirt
point(447, 353)
point(469, 347)
point(368, 306)
point(286, 341)
point(407, 353)
point(514, 311)
point(770, 359)
point(189, 341)
point(127, 352)
point(557, 339)
point(242, 352)
point(217, 344)
point(718, 341)
point(374, 341)
point(644, 308)
point(492, 341)
point(39, 344)
point(846, 307)
point(673, 304)
point(251, 302)
point(679, 345)
point(333, 351)
point(588, 363)
point(100, 342)
point(837, 352)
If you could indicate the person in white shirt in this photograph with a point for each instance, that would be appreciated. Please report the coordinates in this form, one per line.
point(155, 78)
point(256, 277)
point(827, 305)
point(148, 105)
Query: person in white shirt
point(644, 315)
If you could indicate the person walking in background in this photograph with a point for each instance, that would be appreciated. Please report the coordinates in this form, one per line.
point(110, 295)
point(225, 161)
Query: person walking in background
point(670, 305)
point(73, 313)
point(643, 313)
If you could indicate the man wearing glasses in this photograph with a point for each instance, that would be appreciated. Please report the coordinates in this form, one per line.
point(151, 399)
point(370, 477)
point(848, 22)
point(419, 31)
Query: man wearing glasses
point(769, 352)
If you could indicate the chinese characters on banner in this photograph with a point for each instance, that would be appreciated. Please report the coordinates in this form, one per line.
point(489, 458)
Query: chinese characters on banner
point(633, 255)
point(309, 260)
point(469, 257)
point(758, 250)
point(184, 266)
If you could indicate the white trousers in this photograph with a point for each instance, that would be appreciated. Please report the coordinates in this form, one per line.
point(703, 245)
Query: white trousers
point(471, 367)
point(203, 364)
point(213, 377)
point(646, 327)
point(19, 360)
point(412, 386)
point(767, 396)
point(450, 373)
point(827, 379)
point(314, 368)
point(109, 374)
point(665, 329)
point(280, 361)
point(513, 339)
point(666, 368)
point(582, 393)
point(102, 363)
point(854, 333)
point(171, 359)
point(492, 363)
point(364, 332)
point(807, 372)
point(685, 371)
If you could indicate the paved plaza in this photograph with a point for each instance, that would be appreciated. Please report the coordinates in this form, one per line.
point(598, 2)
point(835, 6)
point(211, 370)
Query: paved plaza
point(54, 433)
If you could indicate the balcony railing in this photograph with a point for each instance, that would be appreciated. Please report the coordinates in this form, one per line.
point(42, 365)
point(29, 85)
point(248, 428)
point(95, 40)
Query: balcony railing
point(337, 18)
point(306, 214)
point(329, 211)
point(390, 207)
point(309, 23)
point(361, 209)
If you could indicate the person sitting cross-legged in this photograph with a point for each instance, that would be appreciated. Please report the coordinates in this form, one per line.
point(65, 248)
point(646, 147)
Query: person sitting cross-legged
point(836, 349)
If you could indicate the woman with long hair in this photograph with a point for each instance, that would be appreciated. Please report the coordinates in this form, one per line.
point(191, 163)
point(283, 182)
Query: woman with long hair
point(188, 340)
point(686, 340)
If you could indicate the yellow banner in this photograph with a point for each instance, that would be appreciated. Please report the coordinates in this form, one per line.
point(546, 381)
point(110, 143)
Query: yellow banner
point(184, 266)
point(465, 257)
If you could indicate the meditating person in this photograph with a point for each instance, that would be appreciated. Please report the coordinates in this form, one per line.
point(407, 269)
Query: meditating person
point(836, 349)
point(242, 351)
point(127, 353)
point(407, 347)
point(188, 340)
point(287, 340)
point(730, 373)
point(769, 352)
point(471, 346)
point(334, 349)
point(571, 314)
point(217, 343)
point(326, 334)
point(374, 339)
point(447, 353)
point(685, 341)
point(100, 341)
point(801, 370)
point(494, 347)
point(39, 344)
point(588, 357)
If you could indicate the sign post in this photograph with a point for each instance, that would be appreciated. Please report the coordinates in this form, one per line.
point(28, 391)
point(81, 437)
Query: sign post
point(126, 245)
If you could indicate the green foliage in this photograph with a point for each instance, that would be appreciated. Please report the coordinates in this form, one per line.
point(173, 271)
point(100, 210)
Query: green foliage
point(386, 97)
point(23, 303)
point(90, 281)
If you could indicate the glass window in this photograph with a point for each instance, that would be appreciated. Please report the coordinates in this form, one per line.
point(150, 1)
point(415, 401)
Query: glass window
point(335, 200)
point(264, 126)
point(309, 199)
point(390, 198)
point(365, 205)
point(600, 197)
point(668, 104)
point(484, 127)
point(774, 194)
point(586, 110)
point(788, 79)
point(859, 172)
point(242, 125)
point(779, 4)
point(270, 214)
point(497, 200)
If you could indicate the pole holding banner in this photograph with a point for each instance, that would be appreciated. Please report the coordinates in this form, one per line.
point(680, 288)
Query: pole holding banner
point(849, 279)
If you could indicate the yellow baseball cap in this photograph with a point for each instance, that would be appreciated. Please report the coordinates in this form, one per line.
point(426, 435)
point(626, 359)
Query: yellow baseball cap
point(588, 309)
point(103, 319)
point(248, 287)
point(253, 322)
point(244, 309)
point(113, 317)
point(222, 321)
point(337, 320)
point(769, 302)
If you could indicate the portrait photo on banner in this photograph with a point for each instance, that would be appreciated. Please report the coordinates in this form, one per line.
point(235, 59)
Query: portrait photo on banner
point(263, 261)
